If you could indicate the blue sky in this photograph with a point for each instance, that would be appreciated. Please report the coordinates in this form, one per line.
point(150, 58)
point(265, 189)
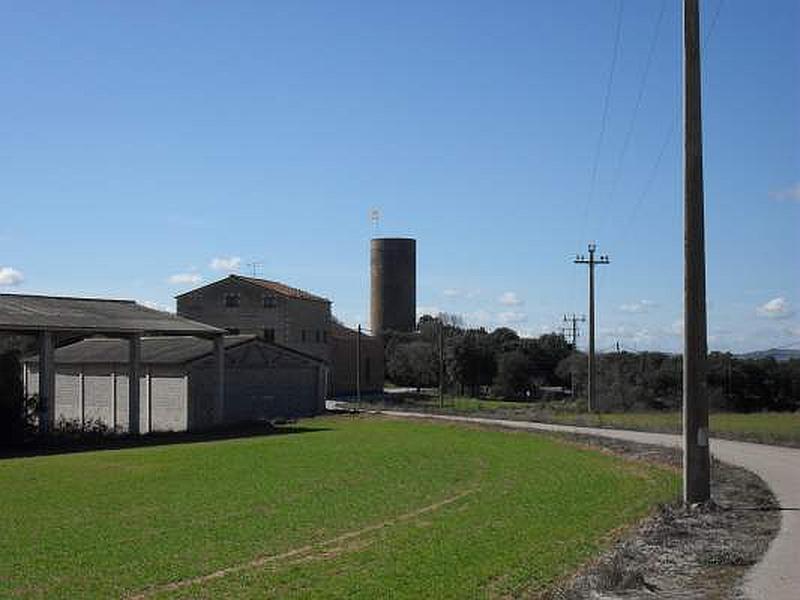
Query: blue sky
point(140, 141)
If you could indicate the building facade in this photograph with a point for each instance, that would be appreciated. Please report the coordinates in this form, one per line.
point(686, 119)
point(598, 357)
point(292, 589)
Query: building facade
point(270, 310)
point(293, 318)
point(263, 382)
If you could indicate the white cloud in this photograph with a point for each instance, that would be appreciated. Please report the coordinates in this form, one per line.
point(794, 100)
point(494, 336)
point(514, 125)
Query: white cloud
point(427, 310)
point(230, 263)
point(676, 328)
point(790, 193)
point(638, 307)
point(511, 317)
point(10, 277)
point(777, 308)
point(509, 299)
point(460, 293)
point(479, 318)
point(632, 335)
point(185, 279)
point(156, 306)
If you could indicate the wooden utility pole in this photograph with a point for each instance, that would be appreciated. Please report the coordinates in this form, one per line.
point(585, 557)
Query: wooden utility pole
point(591, 261)
point(441, 363)
point(358, 367)
point(696, 461)
point(573, 328)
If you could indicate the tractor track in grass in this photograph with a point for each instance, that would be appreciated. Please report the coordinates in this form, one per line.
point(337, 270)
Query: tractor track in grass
point(324, 549)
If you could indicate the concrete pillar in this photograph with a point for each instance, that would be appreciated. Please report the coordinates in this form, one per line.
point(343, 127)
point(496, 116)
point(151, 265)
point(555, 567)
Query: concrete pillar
point(47, 381)
point(219, 363)
point(134, 372)
point(81, 398)
point(148, 394)
point(114, 400)
point(187, 422)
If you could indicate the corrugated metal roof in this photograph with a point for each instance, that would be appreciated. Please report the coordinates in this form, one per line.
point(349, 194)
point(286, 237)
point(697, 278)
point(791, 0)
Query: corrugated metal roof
point(273, 286)
point(155, 350)
point(20, 312)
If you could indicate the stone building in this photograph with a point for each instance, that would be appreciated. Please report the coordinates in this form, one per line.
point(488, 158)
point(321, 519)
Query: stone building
point(271, 310)
point(291, 317)
point(343, 361)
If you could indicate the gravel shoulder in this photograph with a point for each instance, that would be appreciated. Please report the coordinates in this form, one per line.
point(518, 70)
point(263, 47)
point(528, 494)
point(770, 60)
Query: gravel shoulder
point(678, 552)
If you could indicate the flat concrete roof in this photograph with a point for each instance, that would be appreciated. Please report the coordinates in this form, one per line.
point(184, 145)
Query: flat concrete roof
point(21, 313)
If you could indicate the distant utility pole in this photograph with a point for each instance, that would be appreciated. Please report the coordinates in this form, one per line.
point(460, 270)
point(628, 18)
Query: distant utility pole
point(696, 461)
point(254, 267)
point(591, 261)
point(574, 333)
point(358, 367)
point(441, 363)
point(573, 321)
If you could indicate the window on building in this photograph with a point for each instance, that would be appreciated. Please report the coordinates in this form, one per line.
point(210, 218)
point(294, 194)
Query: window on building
point(324, 337)
point(269, 334)
point(303, 335)
point(368, 370)
point(232, 300)
point(270, 301)
point(319, 336)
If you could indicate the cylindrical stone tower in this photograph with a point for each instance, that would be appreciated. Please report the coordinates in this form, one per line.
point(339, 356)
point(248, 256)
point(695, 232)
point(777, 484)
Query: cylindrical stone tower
point(393, 302)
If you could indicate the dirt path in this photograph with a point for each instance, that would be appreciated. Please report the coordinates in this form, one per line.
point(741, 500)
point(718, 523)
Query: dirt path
point(326, 548)
point(777, 576)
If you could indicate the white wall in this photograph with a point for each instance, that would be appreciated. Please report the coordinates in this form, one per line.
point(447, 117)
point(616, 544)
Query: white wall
point(100, 392)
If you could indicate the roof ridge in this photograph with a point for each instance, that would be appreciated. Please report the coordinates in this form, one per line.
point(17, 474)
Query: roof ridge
point(89, 299)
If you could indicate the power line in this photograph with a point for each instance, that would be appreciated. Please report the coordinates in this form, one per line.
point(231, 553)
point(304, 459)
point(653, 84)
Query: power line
point(668, 138)
point(639, 97)
point(604, 119)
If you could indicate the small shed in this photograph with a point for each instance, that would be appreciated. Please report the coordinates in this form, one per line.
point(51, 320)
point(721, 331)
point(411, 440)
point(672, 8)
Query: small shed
point(177, 391)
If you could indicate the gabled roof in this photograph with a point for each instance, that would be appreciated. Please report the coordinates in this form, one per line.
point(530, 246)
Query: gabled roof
point(155, 350)
point(273, 286)
point(23, 312)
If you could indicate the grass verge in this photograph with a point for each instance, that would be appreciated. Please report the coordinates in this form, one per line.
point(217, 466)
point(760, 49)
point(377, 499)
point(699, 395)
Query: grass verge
point(357, 507)
point(765, 428)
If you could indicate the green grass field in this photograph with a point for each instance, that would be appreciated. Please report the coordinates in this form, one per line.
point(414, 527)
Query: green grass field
point(354, 507)
point(765, 428)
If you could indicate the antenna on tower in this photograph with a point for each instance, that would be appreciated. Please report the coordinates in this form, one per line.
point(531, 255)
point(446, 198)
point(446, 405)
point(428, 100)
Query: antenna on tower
point(375, 217)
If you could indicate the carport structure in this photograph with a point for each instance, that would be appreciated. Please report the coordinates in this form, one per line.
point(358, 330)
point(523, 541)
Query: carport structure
point(58, 320)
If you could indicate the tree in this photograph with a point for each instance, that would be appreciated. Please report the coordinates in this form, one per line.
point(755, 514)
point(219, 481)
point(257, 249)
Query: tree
point(414, 364)
point(513, 378)
point(504, 339)
point(471, 360)
point(14, 415)
point(545, 353)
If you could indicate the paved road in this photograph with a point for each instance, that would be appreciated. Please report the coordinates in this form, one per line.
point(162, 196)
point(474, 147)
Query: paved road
point(777, 576)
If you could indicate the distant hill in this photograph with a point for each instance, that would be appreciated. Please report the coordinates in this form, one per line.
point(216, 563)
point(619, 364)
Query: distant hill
point(776, 353)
